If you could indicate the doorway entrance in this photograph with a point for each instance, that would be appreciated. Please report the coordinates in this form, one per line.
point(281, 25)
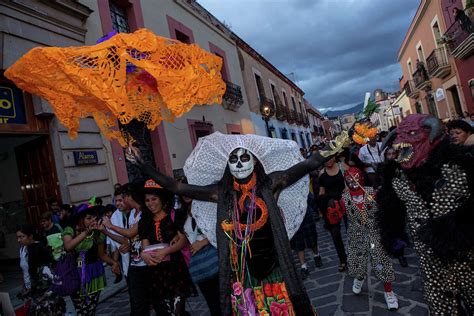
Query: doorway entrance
point(456, 101)
point(430, 101)
point(29, 180)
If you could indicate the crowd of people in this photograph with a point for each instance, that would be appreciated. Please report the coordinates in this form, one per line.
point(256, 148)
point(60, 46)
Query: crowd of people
point(152, 237)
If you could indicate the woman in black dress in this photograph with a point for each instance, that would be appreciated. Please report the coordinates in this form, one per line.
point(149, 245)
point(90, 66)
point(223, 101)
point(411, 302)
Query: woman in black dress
point(331, 181)
point(170, 279)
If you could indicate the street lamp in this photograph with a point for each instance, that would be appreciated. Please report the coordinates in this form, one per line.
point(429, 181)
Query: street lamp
point(267, 111)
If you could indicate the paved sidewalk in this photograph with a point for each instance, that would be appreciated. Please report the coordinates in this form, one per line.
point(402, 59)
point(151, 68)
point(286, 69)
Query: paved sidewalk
point(329, 290)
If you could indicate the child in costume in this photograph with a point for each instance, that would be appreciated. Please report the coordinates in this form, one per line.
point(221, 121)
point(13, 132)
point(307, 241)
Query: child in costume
point(364, 236)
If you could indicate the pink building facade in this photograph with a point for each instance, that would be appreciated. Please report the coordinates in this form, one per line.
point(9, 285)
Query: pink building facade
point(435, 78)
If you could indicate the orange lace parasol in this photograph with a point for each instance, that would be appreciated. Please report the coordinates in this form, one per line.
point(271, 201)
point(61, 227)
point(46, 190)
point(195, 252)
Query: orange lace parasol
point(129, 76)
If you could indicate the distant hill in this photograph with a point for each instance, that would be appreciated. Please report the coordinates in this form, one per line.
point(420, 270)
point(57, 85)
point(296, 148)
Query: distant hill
point(352, 110)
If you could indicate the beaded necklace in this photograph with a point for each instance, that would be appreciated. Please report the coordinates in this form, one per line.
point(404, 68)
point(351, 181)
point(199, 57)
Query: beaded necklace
point(240, 234)
point(248, 191)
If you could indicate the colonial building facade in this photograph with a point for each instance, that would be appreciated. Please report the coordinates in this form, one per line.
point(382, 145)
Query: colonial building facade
point(38, 161)
point(437, 58)
point(276, 103)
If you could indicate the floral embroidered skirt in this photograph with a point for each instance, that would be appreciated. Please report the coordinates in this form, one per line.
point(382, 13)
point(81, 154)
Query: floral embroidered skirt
point(265, 297)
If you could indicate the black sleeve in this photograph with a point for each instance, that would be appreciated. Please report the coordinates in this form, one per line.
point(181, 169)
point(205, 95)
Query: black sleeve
point(39, 255)
point(283, 179)
point(144, 228)
point(391, 215)
point(203, 193)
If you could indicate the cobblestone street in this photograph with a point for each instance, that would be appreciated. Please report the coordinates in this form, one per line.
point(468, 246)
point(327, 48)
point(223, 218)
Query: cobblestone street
point(329, 290)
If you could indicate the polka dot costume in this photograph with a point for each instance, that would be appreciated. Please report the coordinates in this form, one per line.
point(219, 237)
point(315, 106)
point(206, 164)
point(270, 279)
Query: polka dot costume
point(364, 239)
point(444, 282)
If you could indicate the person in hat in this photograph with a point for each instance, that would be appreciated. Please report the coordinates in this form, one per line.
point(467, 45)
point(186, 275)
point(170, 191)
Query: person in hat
point(236, 182)
point(161, 243)
point(87, 242)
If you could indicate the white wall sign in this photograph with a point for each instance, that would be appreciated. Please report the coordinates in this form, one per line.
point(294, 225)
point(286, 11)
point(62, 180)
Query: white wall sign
point(439, 94)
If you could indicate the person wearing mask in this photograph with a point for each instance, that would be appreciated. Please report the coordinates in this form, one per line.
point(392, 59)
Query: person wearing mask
point(35, 262)
point(371, 154)
point(138, 273)
point(331, 186)
point(168, 273)
point(460, 133)
point(86, 241)
point(364, 239)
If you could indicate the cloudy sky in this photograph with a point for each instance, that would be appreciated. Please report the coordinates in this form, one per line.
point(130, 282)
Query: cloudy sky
point(335, 50)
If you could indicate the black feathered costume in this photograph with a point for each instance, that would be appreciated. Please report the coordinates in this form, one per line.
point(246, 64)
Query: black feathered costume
point(433, 194)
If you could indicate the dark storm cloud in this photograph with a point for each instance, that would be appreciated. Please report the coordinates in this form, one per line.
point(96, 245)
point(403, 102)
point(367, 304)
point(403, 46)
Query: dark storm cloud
point(337, 49)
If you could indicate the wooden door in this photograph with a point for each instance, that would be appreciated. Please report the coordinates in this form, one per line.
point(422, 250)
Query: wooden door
point(38, 177)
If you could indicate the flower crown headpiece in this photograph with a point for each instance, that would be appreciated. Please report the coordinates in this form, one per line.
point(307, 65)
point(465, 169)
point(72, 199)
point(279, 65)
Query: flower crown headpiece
point(363, 132)
point(337, 145)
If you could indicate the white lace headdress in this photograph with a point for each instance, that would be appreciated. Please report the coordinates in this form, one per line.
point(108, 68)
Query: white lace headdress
point(207, 163)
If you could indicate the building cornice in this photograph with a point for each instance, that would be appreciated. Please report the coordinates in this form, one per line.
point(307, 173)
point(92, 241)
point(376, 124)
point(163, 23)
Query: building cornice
point(420, 12)
point(77, 10)
point(252, 52)
point(224, 29)
point(71, 7)
point(207, 18)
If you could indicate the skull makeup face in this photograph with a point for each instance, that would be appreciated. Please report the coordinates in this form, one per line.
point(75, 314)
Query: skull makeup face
point(241, 163)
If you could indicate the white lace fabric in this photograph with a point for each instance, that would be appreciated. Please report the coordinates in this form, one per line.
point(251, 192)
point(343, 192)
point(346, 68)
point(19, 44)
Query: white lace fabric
point(207, 163)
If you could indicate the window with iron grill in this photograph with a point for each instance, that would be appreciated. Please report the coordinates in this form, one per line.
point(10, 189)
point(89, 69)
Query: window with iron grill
point(119, 18)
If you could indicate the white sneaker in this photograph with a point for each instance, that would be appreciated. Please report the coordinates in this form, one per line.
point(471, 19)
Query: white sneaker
point(357, 286)
point(392, 301)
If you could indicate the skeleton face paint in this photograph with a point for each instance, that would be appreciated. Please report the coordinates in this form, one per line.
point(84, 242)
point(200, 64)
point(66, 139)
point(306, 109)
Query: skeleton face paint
point(241, 163)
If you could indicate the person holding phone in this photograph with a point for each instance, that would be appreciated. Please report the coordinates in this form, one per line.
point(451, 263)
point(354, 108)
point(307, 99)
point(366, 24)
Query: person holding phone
point(87, 242)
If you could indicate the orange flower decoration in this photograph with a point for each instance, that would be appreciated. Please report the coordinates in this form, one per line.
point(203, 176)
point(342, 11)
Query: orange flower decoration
point(363, 132)
point(170, 78)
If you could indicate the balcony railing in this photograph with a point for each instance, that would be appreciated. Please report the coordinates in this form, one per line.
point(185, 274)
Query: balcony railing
point(281, 113)
point(292, 116)
point(232, 99)
point(299, 118)
point(438, 63)
point(411, 90)
point(305, 120)
point(460, 37)
point(266, 102)
point(420, 78)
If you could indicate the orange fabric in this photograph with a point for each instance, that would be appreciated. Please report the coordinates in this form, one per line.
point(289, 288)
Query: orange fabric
point(170, 78)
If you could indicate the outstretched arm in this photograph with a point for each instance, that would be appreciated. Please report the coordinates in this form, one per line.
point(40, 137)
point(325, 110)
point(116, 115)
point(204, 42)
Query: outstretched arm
point(283, 179)
point(203, 193)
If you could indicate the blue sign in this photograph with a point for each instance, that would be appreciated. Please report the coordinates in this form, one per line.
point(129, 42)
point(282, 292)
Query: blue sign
point(12, 108)
point(82, 158)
